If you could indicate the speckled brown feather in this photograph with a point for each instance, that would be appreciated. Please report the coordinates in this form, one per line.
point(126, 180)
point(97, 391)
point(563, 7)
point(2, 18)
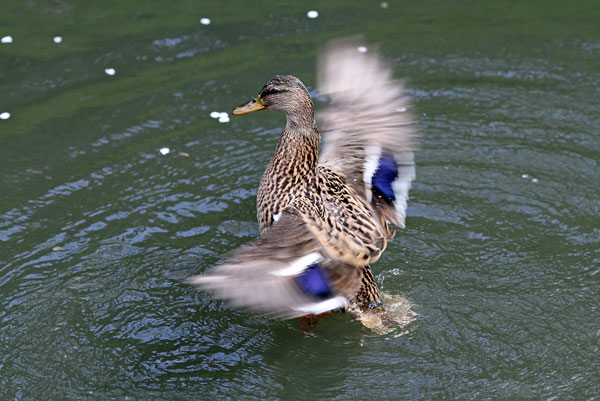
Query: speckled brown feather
point(335, 214)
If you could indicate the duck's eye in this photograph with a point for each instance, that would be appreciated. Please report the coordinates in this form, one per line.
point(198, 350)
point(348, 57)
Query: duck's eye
point(271, 91)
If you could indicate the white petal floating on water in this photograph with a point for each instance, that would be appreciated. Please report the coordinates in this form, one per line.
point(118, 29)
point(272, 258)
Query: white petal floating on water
point(312, 14)
point(6, 39)
point(5, 115)
point(361, 49)
point(525, 176)
point(57, 39)
point(534, 180)
point(164, 151)
point(110, 71)
point(223, 116)
point(205, 21)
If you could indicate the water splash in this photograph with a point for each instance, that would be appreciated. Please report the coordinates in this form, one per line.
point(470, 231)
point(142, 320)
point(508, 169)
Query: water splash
point(393, 314)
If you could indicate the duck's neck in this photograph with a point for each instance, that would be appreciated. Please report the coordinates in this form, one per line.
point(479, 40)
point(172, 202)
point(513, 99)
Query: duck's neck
point(297, 153)
point(298, 149)
point(302, 118)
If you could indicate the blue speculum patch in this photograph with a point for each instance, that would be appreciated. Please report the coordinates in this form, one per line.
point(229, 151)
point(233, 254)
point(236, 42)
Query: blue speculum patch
point(387, 172)
point(314, 281)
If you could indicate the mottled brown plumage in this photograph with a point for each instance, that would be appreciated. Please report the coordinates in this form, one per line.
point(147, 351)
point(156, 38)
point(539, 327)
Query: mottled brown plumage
point(323, 224)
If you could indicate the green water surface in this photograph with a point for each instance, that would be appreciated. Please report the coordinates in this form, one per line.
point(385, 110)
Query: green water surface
point(500, 254)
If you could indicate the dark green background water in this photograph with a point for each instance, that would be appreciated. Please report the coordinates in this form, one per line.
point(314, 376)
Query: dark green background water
point(501, 251)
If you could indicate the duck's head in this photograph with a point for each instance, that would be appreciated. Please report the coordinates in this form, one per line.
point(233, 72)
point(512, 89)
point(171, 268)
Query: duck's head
point(284, 93)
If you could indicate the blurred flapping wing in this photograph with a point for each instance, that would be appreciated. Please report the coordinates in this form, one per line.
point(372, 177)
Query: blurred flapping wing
point(285, 274)
point(369, 131)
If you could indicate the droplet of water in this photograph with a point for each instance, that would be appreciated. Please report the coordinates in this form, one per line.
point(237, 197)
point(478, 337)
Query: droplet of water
point(205, 21)
point(6, 39)
point(361, 49)
point(57, 39)
point(312, 14)
point(110, 71)
point(164, 151)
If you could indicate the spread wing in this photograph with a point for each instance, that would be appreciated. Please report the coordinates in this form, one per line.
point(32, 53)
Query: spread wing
point(368, 128)
point(287, 273)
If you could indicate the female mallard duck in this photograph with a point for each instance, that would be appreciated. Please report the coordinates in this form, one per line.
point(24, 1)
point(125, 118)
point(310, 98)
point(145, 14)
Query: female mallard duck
point(323, 222)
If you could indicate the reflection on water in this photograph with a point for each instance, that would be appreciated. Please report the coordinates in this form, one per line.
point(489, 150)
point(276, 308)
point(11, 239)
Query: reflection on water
point(497, 267)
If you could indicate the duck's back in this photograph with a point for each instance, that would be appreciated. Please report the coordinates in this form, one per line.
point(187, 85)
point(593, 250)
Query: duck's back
point(344, 205)
point(291, 180)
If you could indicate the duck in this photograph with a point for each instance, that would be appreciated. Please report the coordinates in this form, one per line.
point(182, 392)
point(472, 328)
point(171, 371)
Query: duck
point(329, 199)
